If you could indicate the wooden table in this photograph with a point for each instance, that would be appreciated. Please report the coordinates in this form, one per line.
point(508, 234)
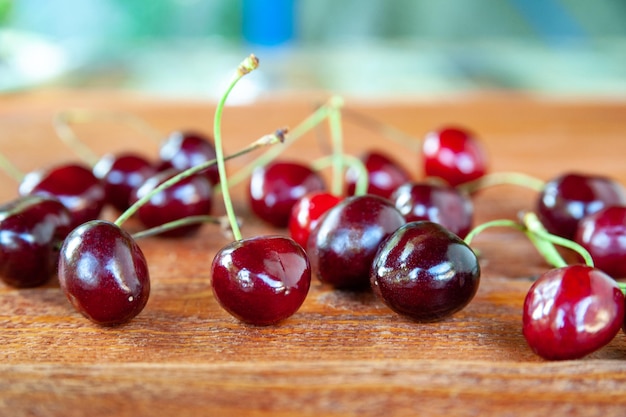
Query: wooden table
point(342, 353)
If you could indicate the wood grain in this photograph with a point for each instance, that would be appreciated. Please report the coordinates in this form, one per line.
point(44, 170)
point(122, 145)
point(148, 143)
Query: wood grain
point(343, 353)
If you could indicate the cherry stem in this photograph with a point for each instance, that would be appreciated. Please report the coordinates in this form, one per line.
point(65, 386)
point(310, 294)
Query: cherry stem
point(385, 129)
point(247, 65)
point(270, 139)
point(10, 169)
point(502, 178)
point(222, 221)
point(353, 162)
point(296, 133)
point(63, 121)
point(537, 234)
point(336, 134)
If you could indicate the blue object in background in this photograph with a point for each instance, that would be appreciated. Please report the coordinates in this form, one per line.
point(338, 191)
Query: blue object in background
point(268, 22)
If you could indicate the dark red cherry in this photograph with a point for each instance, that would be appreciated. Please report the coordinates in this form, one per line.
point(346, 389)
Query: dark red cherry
point(425, 272)
point(384, 174)
point(261, 280)
point(104, 273)
point(572, 311)
point(603, 234)
point(453, 154)
point(306, 213)
point(437, 203)
point(192, 196)
point(186, 149)
point(277, 186)
point(121, 174)
point(73, 184)
point(569, 197)
point(342, 246)
point(32, 229)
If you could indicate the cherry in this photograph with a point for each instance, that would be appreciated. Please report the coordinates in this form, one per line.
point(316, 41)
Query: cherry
point(454, 155)
point(104, 273)
point(73, 184)
point(31, 229)
point(277, 186)
point(425, 272)
point(306, 213)
point(261, 280)
point(121, 174)
point(185, 149)
point(438, 203)
point(603, 234)
point(572, 311)
point(343, 244)
point(191, 196)
point(569, 197)
point(384, 174)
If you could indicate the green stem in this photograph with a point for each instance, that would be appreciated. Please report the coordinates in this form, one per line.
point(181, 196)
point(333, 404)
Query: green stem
point(385, 129)
point(10, 169)
point(503, 178)
point(271, 139)
point(304, 127)
point(166, 227)
point(494, 223)
point(63, 121)
point(248, 64)
point(336, 133)
point(622, 286)
point(352, 162)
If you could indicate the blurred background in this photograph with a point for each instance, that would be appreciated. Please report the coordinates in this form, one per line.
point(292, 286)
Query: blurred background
point(363, 48)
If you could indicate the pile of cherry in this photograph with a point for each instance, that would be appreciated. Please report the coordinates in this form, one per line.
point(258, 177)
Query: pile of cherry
point(407, 240)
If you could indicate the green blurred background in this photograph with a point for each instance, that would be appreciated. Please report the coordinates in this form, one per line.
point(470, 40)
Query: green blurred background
point(364, 48)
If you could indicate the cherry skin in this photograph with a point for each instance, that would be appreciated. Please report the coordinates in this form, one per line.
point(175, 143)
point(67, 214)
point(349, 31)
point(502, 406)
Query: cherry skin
point(73, 184)
point(454, 155)
point(571, 312)
point(192, 196)
point(261, 280)
point(342, 246)
point(306, 213)
point(186, 149)
point(277, 186)
point(438, 203)
point(121, 174)
point(384, 174)
point(566, 199)
point(32, 229)
point(425, 272)
point(104, 273)
point(603, 234)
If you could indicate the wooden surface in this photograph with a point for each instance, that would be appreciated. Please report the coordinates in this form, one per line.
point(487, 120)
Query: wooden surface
point(342, 353)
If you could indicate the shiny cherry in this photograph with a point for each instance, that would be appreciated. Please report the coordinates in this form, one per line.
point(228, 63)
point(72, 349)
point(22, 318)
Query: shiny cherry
point(343, 244)
point(569, 197)
point(438, 203)
point(192, 196)
point(572, 311)
point(73, 184)
point(121, 174)
point(425, 272)
point(32, 229)
point(603, 234)
point(453, 154)
point(104, 273)
point(306, 213)
point(277, 186)
point(185, 149)
point(384, 174)
point(261, 280)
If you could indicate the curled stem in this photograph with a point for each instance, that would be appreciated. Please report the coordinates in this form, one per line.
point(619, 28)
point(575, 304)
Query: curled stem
point(63, 120)
point(503, 178)
point(294, 134)
point(247, 65)
point(270, 139)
